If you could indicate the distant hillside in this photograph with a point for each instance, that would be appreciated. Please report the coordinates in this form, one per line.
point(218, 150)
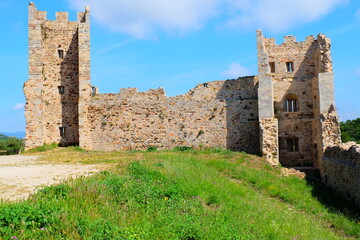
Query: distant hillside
point(3, 137)
point(14, 134)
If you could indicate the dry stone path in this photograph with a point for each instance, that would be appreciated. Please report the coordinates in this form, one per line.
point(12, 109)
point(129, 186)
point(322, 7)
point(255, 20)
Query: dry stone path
point(20, 175)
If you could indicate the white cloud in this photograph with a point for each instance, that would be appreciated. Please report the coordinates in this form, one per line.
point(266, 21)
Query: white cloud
point(144, 18)
point(19, 106)
point(236, 70)
point(113, 46)
point(279, 15)
point(357, 72)
point(357, 14)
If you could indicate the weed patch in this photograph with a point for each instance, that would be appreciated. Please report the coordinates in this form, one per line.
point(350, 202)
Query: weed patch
point(179, 194)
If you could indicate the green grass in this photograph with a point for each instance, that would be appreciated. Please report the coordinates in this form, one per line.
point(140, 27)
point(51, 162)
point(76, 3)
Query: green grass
point(43, 148)
point(180, 194)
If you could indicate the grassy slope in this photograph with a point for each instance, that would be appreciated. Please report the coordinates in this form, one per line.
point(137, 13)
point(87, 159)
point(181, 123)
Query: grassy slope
point(175, 195)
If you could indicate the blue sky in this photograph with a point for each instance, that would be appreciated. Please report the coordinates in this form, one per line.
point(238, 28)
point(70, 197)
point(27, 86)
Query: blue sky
point(180, 43)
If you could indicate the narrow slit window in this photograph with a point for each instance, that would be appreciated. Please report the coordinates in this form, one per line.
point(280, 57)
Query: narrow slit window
point(61, 54)
point(291, 105)
point(62, 131)
point(292, 144)
point(94, 91)
point(61, 89)
point(290, 66)
point(272, 67)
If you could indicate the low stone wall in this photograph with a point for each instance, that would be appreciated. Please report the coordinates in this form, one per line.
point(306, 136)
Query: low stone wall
point(215, 114)
point(341, 170)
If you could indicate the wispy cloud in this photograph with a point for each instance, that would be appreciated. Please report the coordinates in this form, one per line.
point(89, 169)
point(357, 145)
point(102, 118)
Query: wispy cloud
point(144, 18)
point(113, 46)
point(19, 106)
point(279, 15)
point(357, 72)
point(235, 70)
point(357, 14)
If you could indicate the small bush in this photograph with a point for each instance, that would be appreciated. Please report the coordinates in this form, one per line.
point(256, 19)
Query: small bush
point(11, 146)
point(182, 149)
point(151, 149)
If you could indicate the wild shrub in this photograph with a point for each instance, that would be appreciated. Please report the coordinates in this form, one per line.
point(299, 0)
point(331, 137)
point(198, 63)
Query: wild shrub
point(11, 146)
point(151, 149)
point(182, 149)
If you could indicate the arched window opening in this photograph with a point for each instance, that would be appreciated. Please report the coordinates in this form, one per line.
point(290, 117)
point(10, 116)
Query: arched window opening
point(291, 103)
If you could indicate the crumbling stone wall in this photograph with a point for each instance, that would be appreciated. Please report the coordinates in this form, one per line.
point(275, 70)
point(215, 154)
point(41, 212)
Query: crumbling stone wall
point(269, 128)
point(326, 125)
point(341, 168)
point(247, 114)
point(215, 114)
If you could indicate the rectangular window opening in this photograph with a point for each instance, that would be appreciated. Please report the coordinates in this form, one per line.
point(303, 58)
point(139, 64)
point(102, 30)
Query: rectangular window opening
point(61, 54)
point(61, 89)
point(291, 105)
point(62, 131)
point(292, 144)
point(272, 67)
point(290, 66)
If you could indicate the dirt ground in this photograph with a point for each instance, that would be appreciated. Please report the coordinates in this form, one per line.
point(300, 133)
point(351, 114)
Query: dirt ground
point(20, 174)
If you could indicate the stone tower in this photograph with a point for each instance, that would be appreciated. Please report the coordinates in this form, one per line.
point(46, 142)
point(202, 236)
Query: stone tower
point(297, 114)
point(59, 77)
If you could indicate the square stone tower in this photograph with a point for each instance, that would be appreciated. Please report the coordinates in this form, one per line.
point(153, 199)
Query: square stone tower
point(296, 100)
point(59, 77)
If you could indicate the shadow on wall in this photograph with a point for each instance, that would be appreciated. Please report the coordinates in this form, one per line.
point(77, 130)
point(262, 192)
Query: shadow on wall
point(295, 111)
point(242, 119)
point(69, 90)
point(333, 200)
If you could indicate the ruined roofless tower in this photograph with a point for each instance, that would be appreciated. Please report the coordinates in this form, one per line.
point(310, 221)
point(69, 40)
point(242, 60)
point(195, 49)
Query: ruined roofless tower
point(297, 114)
point(59, 77)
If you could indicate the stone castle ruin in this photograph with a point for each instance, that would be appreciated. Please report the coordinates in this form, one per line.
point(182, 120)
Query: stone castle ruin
point(286, 112)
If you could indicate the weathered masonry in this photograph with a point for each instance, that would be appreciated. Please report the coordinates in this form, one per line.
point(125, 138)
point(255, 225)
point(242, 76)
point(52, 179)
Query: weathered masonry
point(59, 74)
point(286, 112)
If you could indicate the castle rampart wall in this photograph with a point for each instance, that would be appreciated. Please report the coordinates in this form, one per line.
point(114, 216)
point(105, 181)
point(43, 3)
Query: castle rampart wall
point(340, 170)
point(215, 114)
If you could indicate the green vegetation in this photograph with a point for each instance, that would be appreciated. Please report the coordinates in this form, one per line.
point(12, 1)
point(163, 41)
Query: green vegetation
point(11, 146)
point(151, 149)
point(179, 194)
point(43, 148)
point(350, 130)
point(3, 137)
